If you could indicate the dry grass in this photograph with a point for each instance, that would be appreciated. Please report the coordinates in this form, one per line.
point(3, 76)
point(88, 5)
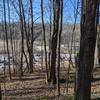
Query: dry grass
point(34, 87)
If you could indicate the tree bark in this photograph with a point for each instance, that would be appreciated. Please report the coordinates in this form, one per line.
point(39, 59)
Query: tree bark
point(56, 15)
point(32, 38)
point(44, 38)
point(50, 18)
point(22, 36)
point(59, 43)
point(0, 92)
point(98, 33)
point(6, 37)
point(87, 48)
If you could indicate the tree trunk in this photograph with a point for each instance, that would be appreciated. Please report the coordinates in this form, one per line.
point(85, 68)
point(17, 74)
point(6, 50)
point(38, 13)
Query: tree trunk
point(0, 92)
point(98, 46)
point(6, 36)
point(87, 48)
point(11, 38)
point(26, 34)
point(56, 15)
point(98, 33)
point(59, 42)
point(31, 43)
point(22, 36)
point(49, 54)
point(44, 38)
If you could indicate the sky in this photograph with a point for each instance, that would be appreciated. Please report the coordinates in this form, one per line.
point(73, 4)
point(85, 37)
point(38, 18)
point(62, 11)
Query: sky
point(68, 10)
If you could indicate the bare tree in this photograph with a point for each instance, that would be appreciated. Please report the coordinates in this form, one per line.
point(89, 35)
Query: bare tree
point(59, 43)
point(0, 92)
point(56, 15)
point(32, 39)
point(22, 36)
point(44, 38)
point(98, 35)
point(11, 38)
point(6, 36)
point(87, 48)
point(50, 18)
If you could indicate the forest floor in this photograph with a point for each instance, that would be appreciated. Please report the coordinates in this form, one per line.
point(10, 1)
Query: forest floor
point(29, 87)
point(34, 87)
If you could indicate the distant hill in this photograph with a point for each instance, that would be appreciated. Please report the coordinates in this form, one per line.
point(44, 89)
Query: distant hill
point(66, 33)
